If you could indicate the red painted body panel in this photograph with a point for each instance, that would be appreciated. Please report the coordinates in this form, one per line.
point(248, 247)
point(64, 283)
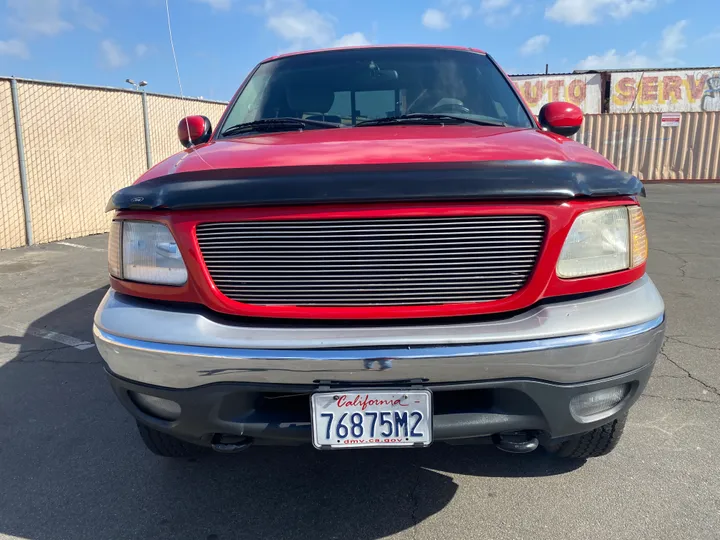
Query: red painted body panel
point(543, 282)
point(386, 144)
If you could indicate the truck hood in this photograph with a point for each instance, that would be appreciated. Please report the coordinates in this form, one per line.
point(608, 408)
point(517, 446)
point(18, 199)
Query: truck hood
point(378, 145)
point(374, 165)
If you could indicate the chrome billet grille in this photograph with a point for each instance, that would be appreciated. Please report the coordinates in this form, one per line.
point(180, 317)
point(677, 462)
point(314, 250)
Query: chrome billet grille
point(372, 262)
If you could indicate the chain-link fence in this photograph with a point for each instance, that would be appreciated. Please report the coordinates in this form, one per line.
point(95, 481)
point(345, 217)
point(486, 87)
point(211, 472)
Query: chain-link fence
point(80, 145)
point(165, 113)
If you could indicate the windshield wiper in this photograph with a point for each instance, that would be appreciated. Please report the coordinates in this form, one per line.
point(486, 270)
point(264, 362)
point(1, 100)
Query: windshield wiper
point(278, 124)
point(429, 119)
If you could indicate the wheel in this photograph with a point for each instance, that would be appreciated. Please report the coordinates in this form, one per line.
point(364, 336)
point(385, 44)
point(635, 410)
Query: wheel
point(598, 442)
point(165, 445)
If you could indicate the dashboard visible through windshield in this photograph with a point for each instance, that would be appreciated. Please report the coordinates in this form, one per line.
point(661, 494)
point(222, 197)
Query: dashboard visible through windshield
point(352, 86)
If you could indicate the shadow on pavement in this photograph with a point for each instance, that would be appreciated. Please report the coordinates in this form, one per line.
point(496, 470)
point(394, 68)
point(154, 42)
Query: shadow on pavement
point(72, 466)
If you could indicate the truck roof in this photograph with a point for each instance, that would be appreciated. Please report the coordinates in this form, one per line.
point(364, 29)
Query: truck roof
point(454, 47)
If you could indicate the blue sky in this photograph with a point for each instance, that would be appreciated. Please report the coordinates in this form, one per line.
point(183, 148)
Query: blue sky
point(218, 41)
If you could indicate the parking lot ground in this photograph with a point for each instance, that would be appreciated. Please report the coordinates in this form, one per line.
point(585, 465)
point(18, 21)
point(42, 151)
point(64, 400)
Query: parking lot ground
point(72, 465)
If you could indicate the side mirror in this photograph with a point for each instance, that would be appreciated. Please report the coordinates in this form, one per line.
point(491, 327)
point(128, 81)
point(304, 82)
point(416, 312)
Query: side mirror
point(194, 130)
point(561, 117)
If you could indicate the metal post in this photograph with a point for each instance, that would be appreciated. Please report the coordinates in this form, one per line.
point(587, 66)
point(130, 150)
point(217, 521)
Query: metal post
point(146, 120)
point(21, 160)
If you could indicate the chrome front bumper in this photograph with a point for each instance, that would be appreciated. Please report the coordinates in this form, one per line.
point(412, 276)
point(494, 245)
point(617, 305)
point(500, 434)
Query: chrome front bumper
point(562, 342)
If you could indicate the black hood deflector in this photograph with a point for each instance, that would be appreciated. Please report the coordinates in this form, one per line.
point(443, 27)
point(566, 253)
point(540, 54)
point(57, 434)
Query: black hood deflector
point(405, 182)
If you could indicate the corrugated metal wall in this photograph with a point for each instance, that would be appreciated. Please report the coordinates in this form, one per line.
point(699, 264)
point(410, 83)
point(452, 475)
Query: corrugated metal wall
point(637, 143)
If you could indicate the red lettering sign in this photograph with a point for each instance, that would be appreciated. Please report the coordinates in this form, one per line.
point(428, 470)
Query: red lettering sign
point(696, 87)
point(577, 91)
point(553, 89)
point(649, 88)
point(626, 90)
point(366, 402)
point(672, 88)
point(533, 92)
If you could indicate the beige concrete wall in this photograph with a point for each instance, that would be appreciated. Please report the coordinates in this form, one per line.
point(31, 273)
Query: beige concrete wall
point(12, 215)
point(637, 143)
point(165, 113)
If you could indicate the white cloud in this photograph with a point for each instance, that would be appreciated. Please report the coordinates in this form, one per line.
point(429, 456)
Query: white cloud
point(302, 27)
point(14, 47)
point(37, 17)
point(355, 39)
point(435, 19)
point(612, 60)
point(464, 11)
point(141, 50)
point(220, 5)
point(87, 16)
point(461, 9)
point(673, 41)
point(441, 19)
point(52, 17)
point(712, 36)
point(535, 45)
point(592, 11)
point(112, 54)
point(499, 12)
point(494, 5)
point(708, 38)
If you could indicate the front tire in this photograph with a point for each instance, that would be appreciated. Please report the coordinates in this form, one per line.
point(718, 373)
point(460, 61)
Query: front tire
point(598, 442)
point(162, 444)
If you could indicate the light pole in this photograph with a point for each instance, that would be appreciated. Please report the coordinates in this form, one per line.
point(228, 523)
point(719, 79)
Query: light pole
point(146, 119)
point(136, 86)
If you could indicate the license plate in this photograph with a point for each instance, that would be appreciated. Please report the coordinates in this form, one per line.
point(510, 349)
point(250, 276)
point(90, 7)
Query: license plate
point(371, 418)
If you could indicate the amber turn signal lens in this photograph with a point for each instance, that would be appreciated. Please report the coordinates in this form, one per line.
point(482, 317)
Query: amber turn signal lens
point(638, 235)
point(115, 250)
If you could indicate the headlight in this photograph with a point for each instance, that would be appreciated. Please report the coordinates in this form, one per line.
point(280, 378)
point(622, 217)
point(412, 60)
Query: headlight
point(146, 252)
point(603, 241)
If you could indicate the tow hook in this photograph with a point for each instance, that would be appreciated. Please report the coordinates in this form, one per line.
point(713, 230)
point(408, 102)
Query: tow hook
point(518, 442)
point(230, 444)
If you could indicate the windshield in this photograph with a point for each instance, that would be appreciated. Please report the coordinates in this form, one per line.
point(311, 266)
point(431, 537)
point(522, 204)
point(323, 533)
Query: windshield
point(351, 86)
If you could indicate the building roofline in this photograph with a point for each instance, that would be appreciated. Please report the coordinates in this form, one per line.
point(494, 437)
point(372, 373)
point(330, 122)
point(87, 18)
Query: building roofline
point(600, 71)
point(633, 70)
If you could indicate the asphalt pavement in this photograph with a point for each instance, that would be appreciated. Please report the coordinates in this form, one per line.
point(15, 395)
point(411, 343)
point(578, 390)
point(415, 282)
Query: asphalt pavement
point(72, 465)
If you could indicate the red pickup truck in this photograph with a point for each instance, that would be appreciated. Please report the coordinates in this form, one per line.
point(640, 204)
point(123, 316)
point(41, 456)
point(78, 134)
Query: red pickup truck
point(380, 247)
